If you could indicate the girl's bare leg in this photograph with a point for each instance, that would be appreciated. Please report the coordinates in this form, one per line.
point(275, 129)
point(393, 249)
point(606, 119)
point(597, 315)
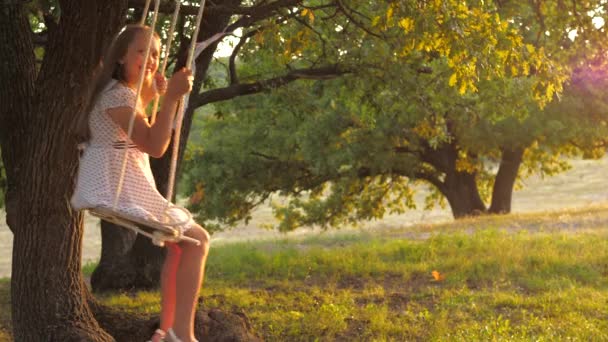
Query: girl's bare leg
point(189, 280)
point(168, 288)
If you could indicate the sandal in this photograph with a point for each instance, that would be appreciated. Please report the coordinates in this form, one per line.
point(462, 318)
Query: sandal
point(171, 337)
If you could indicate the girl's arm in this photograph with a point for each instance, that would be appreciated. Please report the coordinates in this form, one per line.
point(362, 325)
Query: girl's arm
point(154, 139)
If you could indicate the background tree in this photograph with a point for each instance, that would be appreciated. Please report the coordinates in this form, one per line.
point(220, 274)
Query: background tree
point(412, 111)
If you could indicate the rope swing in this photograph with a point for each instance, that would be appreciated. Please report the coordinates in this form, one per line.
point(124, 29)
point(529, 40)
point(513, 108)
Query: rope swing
point(168, 229)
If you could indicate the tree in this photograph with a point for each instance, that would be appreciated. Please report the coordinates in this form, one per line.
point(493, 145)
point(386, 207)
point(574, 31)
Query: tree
point(355, 146)
point(50, 301)
point(47, 289)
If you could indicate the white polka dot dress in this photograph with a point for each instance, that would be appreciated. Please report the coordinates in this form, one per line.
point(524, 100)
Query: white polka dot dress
point(101, 161)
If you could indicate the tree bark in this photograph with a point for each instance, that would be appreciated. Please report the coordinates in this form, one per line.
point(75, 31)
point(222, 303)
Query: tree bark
point(502, 192)
point(48, 294)
point(459, 187)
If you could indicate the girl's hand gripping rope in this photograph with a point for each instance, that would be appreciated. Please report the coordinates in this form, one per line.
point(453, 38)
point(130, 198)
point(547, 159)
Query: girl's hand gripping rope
point(180, 83)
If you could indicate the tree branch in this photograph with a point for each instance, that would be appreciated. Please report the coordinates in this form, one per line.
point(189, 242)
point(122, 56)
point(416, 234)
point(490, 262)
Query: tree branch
point(213, 9)
point(431, 178)
point(596, 145)
point(262, 12)
point(344, 10)
point(235, 90)
point(232, 61)
point(427, 175)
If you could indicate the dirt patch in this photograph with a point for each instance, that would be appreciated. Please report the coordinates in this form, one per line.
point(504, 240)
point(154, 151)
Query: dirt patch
point(354, 331)
point(352, 283)
point(398, 301)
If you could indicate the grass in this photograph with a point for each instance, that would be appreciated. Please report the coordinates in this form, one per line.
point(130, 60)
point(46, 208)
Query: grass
point(492, 284)
point(539, 277)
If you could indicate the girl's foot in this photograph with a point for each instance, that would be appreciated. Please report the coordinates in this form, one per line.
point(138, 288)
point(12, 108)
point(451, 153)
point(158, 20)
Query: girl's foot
point(159, 336)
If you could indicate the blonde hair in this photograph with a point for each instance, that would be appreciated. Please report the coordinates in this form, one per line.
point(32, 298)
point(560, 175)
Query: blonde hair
point(109, 68)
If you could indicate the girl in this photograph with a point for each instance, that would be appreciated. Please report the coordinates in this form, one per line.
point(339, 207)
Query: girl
point(103, 127)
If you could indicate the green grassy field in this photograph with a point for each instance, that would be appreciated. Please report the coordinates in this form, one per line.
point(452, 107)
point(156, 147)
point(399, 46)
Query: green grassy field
point(541, 277)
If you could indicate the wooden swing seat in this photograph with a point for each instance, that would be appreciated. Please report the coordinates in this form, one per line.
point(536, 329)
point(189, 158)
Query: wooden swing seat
point(158, 232)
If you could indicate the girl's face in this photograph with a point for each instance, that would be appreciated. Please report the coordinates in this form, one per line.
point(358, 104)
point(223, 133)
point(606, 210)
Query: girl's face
point(133, 61)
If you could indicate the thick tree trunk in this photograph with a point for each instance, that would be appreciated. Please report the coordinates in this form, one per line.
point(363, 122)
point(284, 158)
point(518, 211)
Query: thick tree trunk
point(458, 187)
point(125, 261)
point(505, 180)
point(139, 266)
point(48, 294)
point(463, 195)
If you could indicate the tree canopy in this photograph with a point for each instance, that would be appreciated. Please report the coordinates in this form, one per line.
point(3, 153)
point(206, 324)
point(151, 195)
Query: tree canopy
point(454, 94)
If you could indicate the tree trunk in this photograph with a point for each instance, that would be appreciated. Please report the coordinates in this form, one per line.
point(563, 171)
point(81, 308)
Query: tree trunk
point(48, 294)
point(463, 195)
point(458, 187)
point(125, 261)
point(505, 180)
point(140, 265)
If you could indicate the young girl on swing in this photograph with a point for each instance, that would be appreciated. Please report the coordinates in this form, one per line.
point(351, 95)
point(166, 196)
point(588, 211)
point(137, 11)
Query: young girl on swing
point(103, 128)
